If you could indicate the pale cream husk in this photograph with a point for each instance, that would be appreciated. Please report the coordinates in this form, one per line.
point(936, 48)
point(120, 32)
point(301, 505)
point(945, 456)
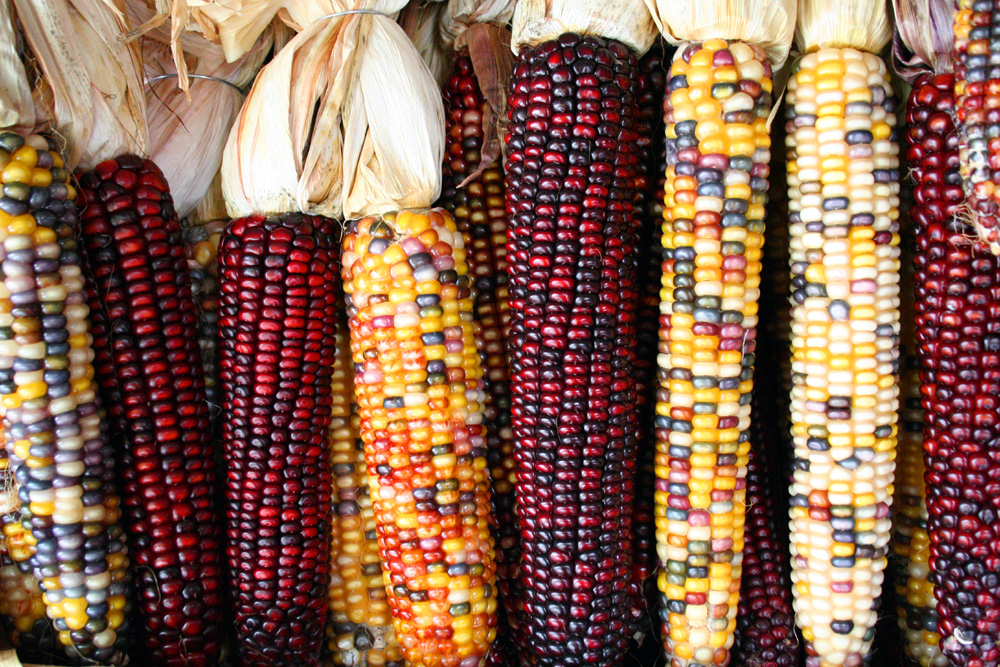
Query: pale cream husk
point(345, 121)
point(460, 14)
point(17, 110)
point(626, 21)
point(769, 24)
point(92, 91)
point(421, 22)
point(847, 24)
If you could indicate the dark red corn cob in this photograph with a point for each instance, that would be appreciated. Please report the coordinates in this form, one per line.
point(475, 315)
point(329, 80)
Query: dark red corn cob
point(650, 87)
point(279, 290)
point(957, 284)
point(479, 213)
point(148, 366)
point(765, 622)
point(571, 171)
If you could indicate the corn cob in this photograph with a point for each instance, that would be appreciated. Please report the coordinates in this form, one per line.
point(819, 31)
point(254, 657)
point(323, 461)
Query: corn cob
point(765, 627)
point(418, 382)
point(60, 457)
point(976, 85)
point(571, 168)
point(359, 627)
point(479, 213)
point(716, 183)
point(650, 86)
point(277, 320)
point(958, 338)
point(149, 369)
point(843, 179)
point(203, 249)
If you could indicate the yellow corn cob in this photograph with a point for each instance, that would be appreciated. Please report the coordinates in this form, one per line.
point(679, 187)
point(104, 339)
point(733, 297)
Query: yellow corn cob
point(359, 627)
point(843, 182)
point(718, 150)
point(419, 388)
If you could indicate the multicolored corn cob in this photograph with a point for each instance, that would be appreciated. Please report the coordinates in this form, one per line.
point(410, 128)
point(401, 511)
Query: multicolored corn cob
point(419, 387)
point(152, 381)
point(843, 180)
point(277, 321)
point(359, 627)
point(479, 212)
point(765, 622)
point(650, 87)
point(958, 343)
point(718, 150)
point(977, 85)
point(203, 250)
point(572, 164)
point(61, 460)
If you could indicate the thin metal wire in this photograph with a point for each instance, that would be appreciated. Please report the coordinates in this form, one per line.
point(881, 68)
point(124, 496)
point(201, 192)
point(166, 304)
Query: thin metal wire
point(161, 77)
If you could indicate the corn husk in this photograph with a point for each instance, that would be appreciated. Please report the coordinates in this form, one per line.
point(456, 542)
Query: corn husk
point(345, 121)
point(460, 14)
point(211, 207)
point(188, 129)
point(91, 94)
point(420, 20)
point(846, 24)
point(627, 21)
point(923, 38)
point(769, 24)
point(17, 109)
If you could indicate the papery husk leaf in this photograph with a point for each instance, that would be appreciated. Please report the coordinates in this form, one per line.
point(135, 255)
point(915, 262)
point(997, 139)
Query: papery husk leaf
point(460, 14)
point(211, 207)
point(627, 21)
point(844, 24)
point(345, 120)
point(421, 21)
point(493, 64)
point(769, 24)
point(92, 90)
point(923, 38)
point(17, 109)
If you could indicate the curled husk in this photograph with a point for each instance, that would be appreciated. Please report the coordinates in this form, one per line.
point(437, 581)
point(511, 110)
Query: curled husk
point(461, 14)
point(91, 94)
point(346, 121)
point(843, 24)
point(769, 24)
point(420, 21)
point(626, 21)
point(923, 38)
point(17, 110)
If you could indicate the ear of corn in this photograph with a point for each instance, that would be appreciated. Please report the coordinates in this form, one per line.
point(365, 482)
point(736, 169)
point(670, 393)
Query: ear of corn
point(149, 369)
point(277, 321)
point(718, 154)
point(958, 341)
point(571, 169)
point(843, 179)
point(976, 84)
point(479, 212)
point(359, 628)
point(203, 251)
point(56, 446)
point(418, 382)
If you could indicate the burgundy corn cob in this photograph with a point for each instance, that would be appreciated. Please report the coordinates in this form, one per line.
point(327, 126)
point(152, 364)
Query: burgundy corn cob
point(279, 292)
point(571, 170)
point(478, 209)
point(650, 86)
point(148, 366)
point(958, 343)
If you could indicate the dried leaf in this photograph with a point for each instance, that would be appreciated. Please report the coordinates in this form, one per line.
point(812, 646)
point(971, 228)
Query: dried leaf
point(420, 21)
point(460, 14)
point(769, 24)
point(852, 24)
point(493, 64)
point(923, 37)
point(627, 21)
point(17, 109)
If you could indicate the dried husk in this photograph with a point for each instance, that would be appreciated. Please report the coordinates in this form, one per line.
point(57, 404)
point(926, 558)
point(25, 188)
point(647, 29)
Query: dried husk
point(91, 94)
point(923, 38)
point(845, 24)
point(211, 207)
point(493, 64)
point(460, 14)
point(769, 24)
point(345, 121)
point(626, 21)
point(17, 109)
point(420, 21)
